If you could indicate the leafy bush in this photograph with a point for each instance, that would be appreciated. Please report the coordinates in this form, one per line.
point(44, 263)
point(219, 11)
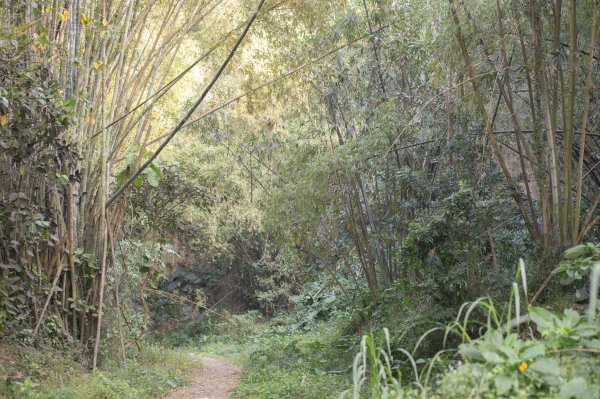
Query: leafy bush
point(576, 266)
point(449, 247)
point(568, 331)
point(33, 118)
point(295, 367)
point(500, 363)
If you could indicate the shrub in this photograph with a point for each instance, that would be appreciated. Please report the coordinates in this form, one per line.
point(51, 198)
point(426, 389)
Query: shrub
point(500, 363)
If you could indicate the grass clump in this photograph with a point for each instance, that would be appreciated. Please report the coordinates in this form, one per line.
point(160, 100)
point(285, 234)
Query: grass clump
point(47, 374)
point(294, 366)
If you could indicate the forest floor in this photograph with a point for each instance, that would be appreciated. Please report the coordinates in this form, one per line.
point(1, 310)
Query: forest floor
point(275, 362)
point(212, 379)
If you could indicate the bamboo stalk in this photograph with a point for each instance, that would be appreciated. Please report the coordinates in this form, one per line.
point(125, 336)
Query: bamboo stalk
point(116, 294)
point(488, 128)
point(103, 211)
point(191, 110)
point(568, 220)
point(575, 233)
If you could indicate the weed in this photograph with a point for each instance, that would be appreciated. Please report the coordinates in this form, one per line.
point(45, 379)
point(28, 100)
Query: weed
point(49, 375)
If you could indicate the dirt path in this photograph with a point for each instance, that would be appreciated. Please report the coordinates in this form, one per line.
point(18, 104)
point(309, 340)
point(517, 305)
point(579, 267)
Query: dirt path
point(214, 380)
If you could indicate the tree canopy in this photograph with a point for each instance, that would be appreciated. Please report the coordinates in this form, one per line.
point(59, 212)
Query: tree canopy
point(237, 152)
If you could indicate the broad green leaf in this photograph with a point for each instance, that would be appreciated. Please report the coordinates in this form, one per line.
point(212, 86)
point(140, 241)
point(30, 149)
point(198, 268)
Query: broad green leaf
point(123, 175)
point(571, 316)
point(510, 354)
point(546, 366)
point(132, 157)
point(62, 179)
point(492, 357)
point(592, 343)
point(152, 178)
point(504, 384)
point(542, 318)
point(576, 252)
point(42, 223)
point(587, 331)
point(156, 170)
point(533, 351)
point(575, 388)
point(470, 353)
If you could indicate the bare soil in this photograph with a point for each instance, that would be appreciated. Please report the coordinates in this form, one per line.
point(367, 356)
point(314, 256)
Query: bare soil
point(214, 379)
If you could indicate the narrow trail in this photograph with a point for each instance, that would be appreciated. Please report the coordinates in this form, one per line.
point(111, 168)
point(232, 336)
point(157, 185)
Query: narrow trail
point(215, 379)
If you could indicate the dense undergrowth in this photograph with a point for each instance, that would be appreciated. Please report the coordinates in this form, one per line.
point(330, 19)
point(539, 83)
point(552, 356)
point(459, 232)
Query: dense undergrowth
point(308, 352)
point(488, 348)
point(396, 346)
point(287, 365)
point(541, 354)
point(562, 362)
point(46, 373)
point(279, 360)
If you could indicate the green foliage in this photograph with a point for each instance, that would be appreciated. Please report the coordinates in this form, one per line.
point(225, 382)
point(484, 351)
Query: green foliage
point(374, 364)
point(152, 174)
point(59, 375)
point(501, 363)
point(506, 358)
point(231, 260)
point(576, 267)
point(450, 242)
point(279, 363)
point(33, 118)
point(570, 330)
point(291, 368)
point(369, 165)
point(314, 305)
point(221, 326)
point(277, 277)
point(496, 365)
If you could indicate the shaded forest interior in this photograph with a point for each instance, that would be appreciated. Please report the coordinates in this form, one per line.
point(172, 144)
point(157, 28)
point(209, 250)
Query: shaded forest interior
point(238, 175)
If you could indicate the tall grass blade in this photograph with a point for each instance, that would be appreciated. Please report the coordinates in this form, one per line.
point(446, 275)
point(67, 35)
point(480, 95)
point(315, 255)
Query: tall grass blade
point(517, 308)
point(413, 363)
point(523, 271)
point(422, 338)
point(386, 333)
point(358, 378)
point(468, 313)
point(594, 292)
point(436, 357)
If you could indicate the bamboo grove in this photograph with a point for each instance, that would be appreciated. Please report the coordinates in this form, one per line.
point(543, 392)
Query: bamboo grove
point(519, 90)
point(386, 107)
point(111, 59)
